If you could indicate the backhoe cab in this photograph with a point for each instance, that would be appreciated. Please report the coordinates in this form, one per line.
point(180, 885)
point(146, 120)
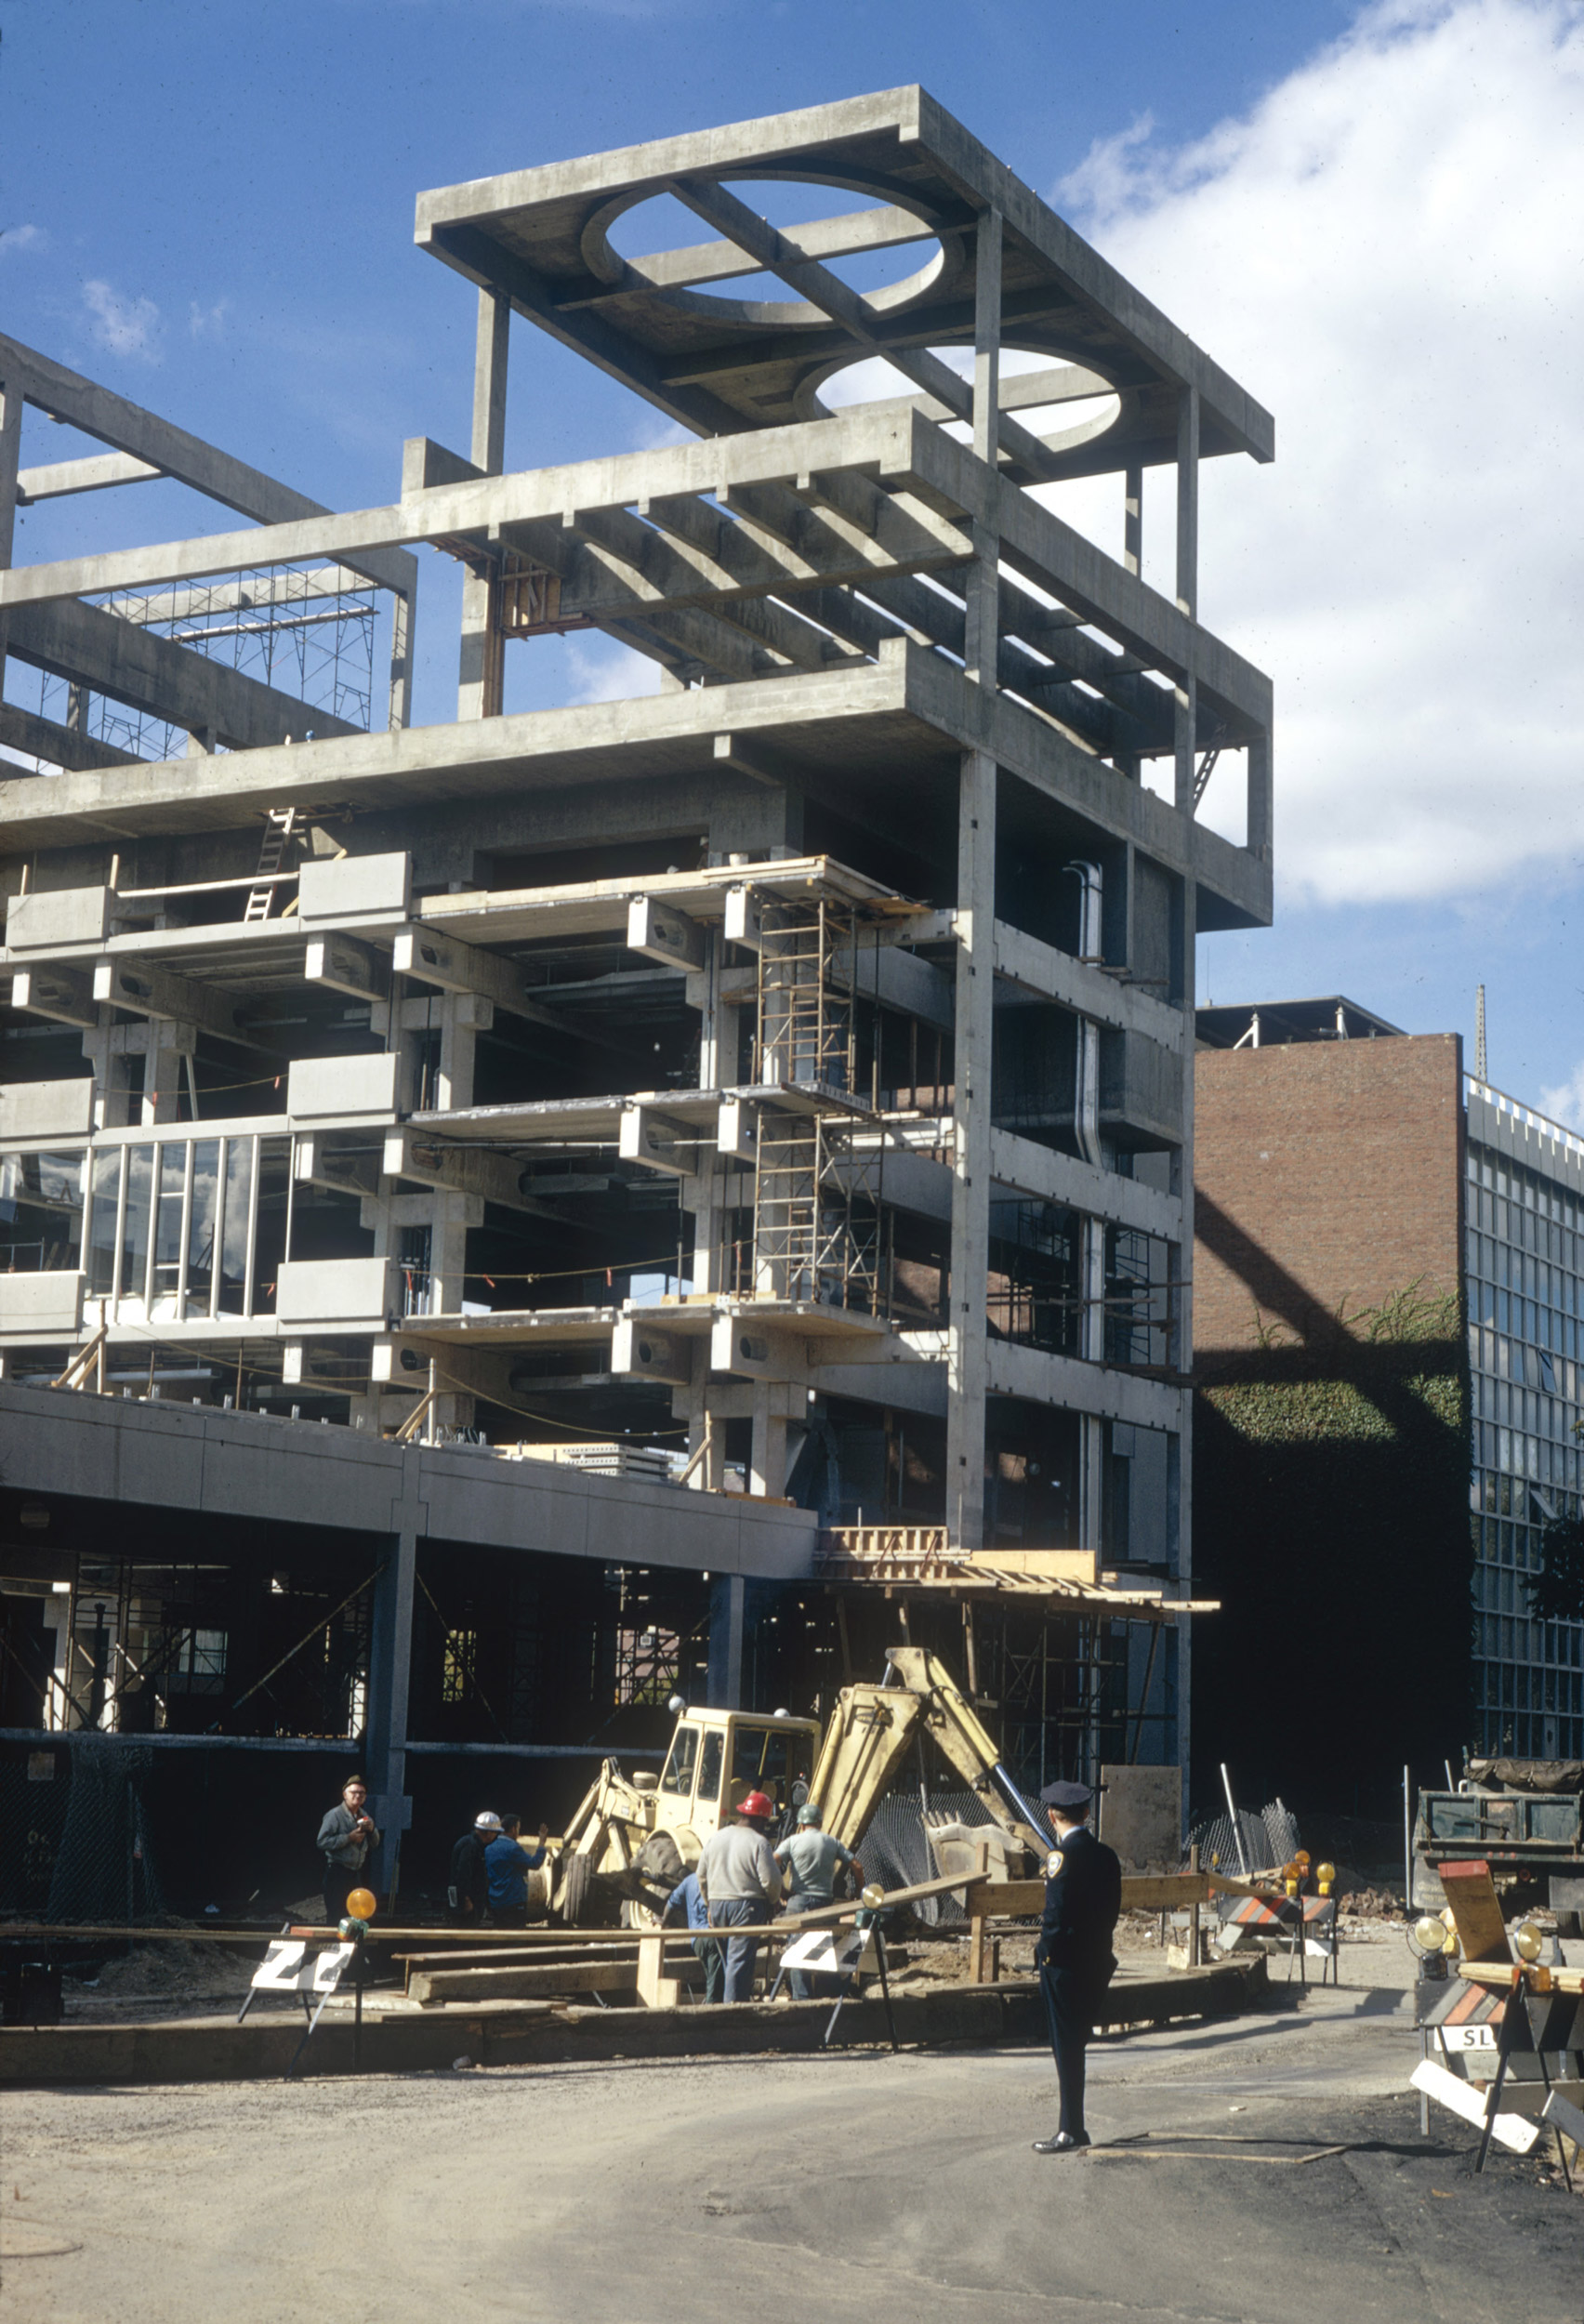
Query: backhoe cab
point(634, 1837)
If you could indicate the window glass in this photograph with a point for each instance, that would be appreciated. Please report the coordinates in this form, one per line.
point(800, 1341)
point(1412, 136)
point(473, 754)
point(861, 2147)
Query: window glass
point(201, 1224)
point(135, 1225)
point(759, 1757)
point(168, 1220)
point(41, 1211)
point(233, 1230)
point(710, 1759)
point(274, 1200)
point(678, 1770)
point(101, 1230)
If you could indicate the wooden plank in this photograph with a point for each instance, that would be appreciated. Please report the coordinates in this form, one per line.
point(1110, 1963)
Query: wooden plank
point(1461, 2098)
point(1476, 1910)
point(1171, 1892)
point(1540, 1979)
point(529, 1982)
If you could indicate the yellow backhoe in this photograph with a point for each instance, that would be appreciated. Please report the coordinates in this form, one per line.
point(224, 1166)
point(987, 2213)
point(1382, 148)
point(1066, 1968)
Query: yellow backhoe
point(633, 1837)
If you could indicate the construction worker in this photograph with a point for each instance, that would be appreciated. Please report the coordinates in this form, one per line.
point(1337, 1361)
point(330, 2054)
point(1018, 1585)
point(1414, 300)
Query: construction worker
point(1083, 1897)
point(346, 1835)
point(740, 1882)
point(509, 1859)
point(684, 1903)
point(468, 1889)
point(812, 1859)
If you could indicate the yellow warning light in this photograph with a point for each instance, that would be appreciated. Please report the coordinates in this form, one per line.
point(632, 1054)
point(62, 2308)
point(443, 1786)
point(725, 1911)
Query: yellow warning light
point(1326, 1874)
point(362, 1904)
point(1527, 1942)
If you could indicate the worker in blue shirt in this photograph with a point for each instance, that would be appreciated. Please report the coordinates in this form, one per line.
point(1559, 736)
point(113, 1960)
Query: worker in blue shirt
point(508, 1862)
point(686, 1904)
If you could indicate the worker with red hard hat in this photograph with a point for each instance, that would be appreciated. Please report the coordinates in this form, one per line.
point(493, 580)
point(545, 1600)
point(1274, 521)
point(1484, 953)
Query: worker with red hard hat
point(740, 1882)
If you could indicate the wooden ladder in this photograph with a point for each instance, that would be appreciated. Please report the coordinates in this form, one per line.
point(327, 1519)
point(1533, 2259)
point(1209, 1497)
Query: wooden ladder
point(280, 824)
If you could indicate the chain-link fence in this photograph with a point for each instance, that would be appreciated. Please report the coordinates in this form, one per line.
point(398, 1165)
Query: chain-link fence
point(75, 1835)
point(1268, 1838)
point(896, 1850)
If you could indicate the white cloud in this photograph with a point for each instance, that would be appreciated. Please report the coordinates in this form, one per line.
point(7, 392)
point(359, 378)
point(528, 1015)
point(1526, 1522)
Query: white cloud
point(17, 238)
point(206, 323)
point(1386, 252)
point(1566, 1104)
point(610, 672)
point(126, 327)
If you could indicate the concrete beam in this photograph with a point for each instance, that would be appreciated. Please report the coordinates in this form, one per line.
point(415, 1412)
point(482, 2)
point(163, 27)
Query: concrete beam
point(60, 478)
point(660, 932)
point(1070, 1386)
point(638, 1351)
point(474, 507)
point(65, 995)
point(99, 412)
point(173, 682)
point(462, 1170)
point(61, 745)
point(661, 1143)
point(1018, 1167)
point(1040, 969)
point(146, 990)
point(347, 966)
point(456, 967)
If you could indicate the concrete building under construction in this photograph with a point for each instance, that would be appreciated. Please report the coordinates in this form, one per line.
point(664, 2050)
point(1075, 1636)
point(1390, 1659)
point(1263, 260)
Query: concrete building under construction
point(511, 1216)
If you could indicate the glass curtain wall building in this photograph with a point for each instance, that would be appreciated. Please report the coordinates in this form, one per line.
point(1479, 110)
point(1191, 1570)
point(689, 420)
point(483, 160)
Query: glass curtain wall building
point(1525, 1228)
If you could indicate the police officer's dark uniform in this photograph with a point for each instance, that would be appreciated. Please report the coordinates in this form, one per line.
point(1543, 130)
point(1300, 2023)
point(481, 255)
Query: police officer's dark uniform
point(1083, 1897)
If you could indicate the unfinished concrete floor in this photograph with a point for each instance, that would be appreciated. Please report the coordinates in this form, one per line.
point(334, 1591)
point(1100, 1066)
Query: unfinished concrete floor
point(682, 2194)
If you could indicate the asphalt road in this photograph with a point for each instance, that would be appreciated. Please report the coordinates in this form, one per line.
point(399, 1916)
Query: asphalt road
point(673, 2193)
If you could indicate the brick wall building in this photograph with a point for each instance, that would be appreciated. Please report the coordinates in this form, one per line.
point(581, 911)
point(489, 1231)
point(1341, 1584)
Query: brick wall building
point(1331, 1371)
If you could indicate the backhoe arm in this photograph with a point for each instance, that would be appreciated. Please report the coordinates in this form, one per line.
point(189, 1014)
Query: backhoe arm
point(872, 1729)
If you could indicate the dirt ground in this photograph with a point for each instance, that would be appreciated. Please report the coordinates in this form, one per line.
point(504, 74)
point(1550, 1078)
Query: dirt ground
point(841, 2186)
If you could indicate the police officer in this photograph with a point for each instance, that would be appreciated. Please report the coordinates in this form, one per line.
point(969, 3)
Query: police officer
point(1083, 1897)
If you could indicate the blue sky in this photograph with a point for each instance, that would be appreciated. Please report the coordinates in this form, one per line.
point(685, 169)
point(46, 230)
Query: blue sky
point(211, 210)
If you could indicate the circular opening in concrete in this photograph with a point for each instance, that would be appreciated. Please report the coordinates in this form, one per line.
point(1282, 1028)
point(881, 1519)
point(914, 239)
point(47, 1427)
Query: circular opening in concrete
point(887, 253)
point(1082, 405)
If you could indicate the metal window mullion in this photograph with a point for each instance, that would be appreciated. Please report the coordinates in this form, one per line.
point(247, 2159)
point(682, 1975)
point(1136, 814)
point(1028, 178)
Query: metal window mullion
point(121, 1186)
point(185, 1235)
point(248, 1256)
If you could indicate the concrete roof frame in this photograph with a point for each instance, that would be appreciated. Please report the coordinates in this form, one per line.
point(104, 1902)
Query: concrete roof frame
point(542, 237)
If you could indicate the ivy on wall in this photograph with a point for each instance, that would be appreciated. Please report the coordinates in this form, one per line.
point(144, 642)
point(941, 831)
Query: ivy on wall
point(1331, 1520)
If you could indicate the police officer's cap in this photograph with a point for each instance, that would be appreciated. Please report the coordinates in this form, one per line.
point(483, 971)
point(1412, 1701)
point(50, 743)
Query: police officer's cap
point(1066, 1795)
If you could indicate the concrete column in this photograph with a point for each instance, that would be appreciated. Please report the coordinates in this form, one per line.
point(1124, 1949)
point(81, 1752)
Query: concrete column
point(727, 1596)
point(10, 457)
point(390, 1665)
point(1178, 1641)
point(1180, 1449)
point(967, 1345)
point(1091, 1483)
point(1258, 837)
point(1187, 692)
point(767, 1461)
point(1133, 519)
point(165, 1070)
point(403, 623)
point(984, 581)
point(477, 691)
